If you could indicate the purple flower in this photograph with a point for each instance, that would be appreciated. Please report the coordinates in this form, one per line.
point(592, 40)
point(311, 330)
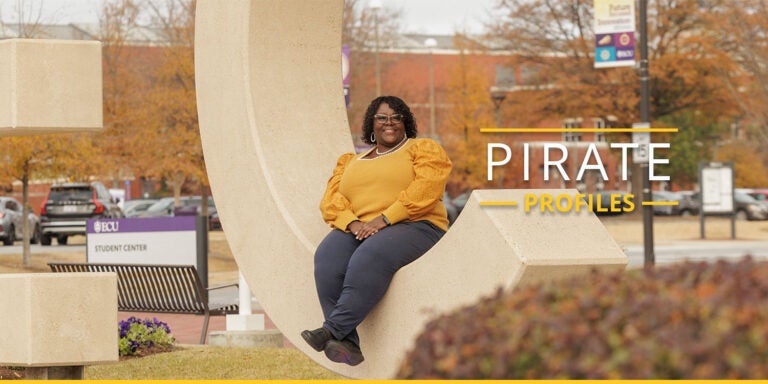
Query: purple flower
point(146, 328)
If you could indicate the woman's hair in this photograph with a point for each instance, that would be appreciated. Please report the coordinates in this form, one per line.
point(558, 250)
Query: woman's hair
point(399, 106)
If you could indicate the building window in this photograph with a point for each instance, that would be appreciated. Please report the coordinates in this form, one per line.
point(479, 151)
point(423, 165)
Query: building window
point(572, 137)
point(505, 77)
point(600, 136)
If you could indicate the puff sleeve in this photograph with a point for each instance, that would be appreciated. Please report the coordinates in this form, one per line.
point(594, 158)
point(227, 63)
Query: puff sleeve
point(431, 167)
point(334, 207)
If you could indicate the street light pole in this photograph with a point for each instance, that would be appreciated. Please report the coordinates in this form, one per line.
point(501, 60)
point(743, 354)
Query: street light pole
point(431, 44)
point(498, 98)
point(645, 117)
point(375, 6)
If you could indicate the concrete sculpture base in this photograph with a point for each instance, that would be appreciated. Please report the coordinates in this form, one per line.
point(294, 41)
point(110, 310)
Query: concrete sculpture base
point(246, 339)
point(49, 86)
point(52, 320)
point(273, 122)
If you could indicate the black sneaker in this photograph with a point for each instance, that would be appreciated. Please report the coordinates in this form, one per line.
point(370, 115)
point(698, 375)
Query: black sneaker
point(344, 351)
point(318, 338)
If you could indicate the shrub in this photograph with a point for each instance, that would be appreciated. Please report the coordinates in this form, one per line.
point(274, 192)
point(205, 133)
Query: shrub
point(687, 321)
point(140, 337)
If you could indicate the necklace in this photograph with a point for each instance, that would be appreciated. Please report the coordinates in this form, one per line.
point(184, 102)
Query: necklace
point(405, 138)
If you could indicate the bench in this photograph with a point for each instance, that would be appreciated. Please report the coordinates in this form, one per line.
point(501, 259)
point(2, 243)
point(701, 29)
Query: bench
point(158, 289)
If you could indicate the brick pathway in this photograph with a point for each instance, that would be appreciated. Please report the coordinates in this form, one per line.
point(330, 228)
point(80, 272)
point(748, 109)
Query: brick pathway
point(186, 328)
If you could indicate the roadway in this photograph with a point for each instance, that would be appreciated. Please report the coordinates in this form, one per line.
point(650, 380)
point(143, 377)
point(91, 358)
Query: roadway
point(698, 250)
point(16, 249)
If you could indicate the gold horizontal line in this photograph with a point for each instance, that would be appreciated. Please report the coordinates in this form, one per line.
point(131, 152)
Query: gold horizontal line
point(498, 203)
point(583, 130)
point(661, 203)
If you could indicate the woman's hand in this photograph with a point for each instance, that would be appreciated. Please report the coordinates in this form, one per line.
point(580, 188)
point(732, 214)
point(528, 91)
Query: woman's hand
point(369, 228)
point(355, 226)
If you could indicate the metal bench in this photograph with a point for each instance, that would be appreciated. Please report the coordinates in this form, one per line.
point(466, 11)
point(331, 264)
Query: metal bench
point(159, 289)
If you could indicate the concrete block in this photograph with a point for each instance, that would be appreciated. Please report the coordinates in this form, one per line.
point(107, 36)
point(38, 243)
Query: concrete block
point(245, 322)
point(49, 86)
point(55, 373)
point(246, 339)
point(63, 319)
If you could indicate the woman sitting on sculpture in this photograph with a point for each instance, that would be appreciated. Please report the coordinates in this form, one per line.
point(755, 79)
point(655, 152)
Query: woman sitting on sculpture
point(385, 208)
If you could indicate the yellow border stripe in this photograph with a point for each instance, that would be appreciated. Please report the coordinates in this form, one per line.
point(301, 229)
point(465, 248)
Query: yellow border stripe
point(498, 203)
point(564, 130)
point(661, 203)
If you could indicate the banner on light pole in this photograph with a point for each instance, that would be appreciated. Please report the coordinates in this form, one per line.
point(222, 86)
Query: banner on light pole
point(614, 33)
point(345, 71)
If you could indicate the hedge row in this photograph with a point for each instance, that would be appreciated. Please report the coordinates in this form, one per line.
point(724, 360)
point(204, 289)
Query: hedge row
point(687, 321)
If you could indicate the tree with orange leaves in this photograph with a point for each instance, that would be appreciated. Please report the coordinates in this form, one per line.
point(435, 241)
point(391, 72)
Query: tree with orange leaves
point(739, 27)
point(748, 168)
point(126, 83)
point(173, 149)
point(53, 156)
point(468, 93)
point(555, 43)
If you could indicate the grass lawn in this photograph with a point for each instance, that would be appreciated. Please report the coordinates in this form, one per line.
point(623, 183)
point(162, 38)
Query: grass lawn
point(219, 363)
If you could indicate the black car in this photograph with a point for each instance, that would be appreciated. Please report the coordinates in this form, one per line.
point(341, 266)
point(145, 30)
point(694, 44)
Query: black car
point(67, 207)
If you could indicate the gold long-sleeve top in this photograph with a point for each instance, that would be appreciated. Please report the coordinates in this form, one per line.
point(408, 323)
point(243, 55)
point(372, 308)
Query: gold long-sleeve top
point(404, 185)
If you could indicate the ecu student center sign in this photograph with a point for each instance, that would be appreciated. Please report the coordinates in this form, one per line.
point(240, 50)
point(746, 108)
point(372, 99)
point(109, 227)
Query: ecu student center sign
point(179, 240)
point(614, 33)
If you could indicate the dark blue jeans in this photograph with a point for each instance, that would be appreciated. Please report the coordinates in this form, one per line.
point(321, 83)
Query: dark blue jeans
point(352, 276)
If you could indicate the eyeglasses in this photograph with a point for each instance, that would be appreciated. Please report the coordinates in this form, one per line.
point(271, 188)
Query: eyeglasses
point(383, 119)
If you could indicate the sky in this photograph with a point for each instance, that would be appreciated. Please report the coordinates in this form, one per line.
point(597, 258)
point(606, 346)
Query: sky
point(420, 16)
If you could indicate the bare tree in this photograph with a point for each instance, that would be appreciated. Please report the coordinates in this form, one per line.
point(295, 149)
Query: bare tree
point(360, 22)
point(30, 18)
point(363, 30)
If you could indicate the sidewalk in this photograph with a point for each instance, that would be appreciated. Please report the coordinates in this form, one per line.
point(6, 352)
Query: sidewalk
point(698, 250)
point(186, 328)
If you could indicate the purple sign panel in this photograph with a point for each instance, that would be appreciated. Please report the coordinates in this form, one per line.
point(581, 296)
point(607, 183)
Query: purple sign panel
point(155, 224)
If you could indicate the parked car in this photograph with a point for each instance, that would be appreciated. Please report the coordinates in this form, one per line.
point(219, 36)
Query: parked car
point(686, 205)
point(215, 221)
point(454, 206)
point(759, 194)
point(134, 207)
point(118, 195)
point(188, 206)
point(11, 228)
point(36, 234)
point(68, 206)
point(747, 207)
